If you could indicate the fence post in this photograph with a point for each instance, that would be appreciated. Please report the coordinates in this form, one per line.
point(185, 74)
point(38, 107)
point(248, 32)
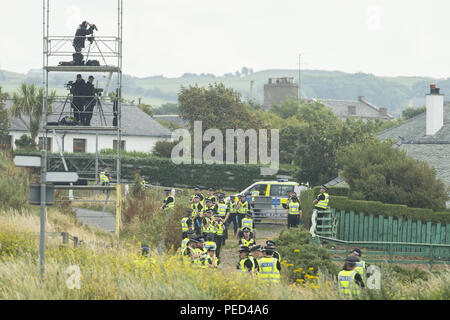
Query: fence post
point(75, 241)
point(65, 237)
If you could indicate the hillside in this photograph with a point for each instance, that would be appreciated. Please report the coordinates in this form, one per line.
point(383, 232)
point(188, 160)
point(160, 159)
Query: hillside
point(395, 93)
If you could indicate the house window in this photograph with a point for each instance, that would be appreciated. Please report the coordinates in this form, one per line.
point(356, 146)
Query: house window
point(49, 143)
point(79, 145)
point(122, 145)
point(351, 110)
point(5, 142)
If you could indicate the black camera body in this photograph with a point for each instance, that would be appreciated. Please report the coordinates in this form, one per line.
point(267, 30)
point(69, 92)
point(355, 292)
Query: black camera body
point(69, 85)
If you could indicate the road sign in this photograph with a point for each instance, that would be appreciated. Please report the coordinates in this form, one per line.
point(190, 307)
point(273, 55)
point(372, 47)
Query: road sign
point(62, 177)
point(27, 161)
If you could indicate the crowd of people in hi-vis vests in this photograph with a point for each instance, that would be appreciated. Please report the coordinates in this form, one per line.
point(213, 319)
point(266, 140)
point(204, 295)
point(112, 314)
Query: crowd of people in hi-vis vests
point(210, 219)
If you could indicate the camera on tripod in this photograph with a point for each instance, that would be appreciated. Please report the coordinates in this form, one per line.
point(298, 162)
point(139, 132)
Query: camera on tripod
point(91, 38)
point(69, 85)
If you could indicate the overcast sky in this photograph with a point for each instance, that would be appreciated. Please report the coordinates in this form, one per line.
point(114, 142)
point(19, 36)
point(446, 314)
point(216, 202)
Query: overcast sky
point(171, 37)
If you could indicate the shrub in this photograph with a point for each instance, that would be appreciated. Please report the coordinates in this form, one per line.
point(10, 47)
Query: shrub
point(13, 185)
point(387, 174)
point(301, 260)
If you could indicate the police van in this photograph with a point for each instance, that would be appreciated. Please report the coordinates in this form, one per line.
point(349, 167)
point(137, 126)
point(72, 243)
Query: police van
point(277, 190)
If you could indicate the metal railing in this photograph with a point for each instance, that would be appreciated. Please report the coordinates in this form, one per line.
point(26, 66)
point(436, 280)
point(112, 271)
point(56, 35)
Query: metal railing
point(436, 253)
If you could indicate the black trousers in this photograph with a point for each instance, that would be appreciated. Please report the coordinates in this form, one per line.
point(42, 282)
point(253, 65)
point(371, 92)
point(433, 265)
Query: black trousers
point(78, 108)
point(219, 241)
point(86, 116)
point(232, 220)
point(293, 220)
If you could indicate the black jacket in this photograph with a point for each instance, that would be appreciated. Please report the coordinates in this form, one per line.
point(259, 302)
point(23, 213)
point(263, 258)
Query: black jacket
point(80, 36)
point(88, 89)
point(79, 88)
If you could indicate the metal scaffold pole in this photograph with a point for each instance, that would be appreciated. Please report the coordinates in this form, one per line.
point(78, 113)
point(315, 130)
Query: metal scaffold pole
point(61, 47)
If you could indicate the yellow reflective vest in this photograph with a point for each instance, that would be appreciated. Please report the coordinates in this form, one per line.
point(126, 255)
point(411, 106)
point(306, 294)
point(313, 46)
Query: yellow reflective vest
point(248, 242)
point(243, 208)
point(184, 243)
point(196, 211)
point(361, 268)
point(294, 207)
point(219, 228)
point(233, 207)
point(347, 284)
point(323, 204)
point(268, 269)
point(222, 209)
point(184, 225)
point(104, 177)
point(247, 223)
point(170, 204)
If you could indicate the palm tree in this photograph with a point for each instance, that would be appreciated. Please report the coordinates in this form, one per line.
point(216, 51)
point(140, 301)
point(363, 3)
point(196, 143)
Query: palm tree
point(28, 102)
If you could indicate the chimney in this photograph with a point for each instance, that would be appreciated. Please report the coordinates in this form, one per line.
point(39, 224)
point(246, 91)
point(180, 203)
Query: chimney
point(361, 98)
point(435, 111)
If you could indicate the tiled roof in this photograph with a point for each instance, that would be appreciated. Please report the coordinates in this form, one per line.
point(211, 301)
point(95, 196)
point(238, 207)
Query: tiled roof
point(362, 107)
point(135, 122)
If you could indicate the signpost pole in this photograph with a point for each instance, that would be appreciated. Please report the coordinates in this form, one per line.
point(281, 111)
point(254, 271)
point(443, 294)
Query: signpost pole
point(43, 197)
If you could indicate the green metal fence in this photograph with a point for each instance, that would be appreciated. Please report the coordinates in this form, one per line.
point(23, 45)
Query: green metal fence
point(383, 231)
point(433, 253)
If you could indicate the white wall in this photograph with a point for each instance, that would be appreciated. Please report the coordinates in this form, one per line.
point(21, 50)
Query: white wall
point(132, 143)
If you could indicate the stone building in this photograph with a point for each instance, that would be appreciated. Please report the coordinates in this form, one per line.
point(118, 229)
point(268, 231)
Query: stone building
point(278, 90)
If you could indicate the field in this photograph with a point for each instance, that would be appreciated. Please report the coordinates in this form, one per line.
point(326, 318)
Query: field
point(104, 267)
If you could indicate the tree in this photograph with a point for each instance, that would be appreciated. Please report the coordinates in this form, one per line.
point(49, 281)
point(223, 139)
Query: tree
point(25, 142)
point(146, 108)
point(163, 149)
point(409, 113)
point(216, 106)
point(376, 171)
point(28, 102)
point(319, 136)
point(167, 108)
point(4, 116)
point(287, 109)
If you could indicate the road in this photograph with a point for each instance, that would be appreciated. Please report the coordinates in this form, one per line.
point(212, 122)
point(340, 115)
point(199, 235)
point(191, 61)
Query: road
point(96, 219)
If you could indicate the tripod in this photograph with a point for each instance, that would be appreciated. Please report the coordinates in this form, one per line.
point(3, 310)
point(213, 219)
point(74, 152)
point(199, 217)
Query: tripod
point(69, 98)
point(89, 110)
point(91, 41)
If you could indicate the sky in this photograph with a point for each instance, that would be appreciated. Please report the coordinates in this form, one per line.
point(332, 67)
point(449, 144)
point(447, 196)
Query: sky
point(172, 37)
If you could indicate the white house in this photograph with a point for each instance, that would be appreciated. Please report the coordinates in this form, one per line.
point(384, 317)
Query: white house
point(140, 132)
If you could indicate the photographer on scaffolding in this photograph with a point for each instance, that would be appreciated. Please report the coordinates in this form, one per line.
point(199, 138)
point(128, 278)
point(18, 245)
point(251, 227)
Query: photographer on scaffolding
point(89, 103)
point(80, 35)
point(77, 90)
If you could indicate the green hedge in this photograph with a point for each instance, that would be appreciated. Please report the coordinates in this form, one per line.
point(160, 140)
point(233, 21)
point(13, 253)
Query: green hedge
point(164, 172)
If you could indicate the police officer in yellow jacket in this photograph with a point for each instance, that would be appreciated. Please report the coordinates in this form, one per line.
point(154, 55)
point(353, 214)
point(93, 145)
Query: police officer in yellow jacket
point(254, 256)
point(321, 204)
point(245, 264)
point(349, 279)
point(272, 245)
point(294, 212)
point(247, 240)
point(361, 266)
point(169, 201)
point(187, 224)
point(269, 267)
